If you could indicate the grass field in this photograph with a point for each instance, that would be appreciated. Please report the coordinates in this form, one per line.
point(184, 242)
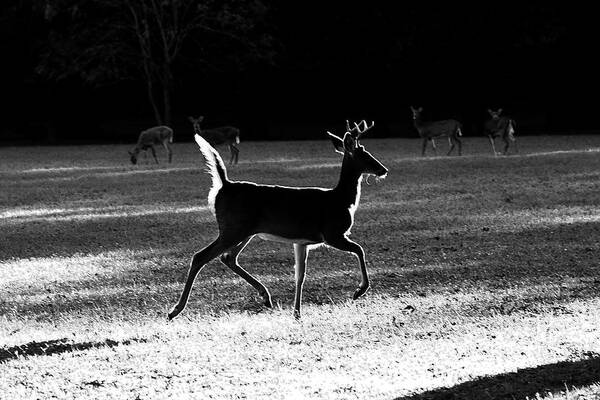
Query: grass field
point(485, 278)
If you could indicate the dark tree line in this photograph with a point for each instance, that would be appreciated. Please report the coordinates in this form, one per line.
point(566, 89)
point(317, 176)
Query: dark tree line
point(106, 41)
point(284, 56)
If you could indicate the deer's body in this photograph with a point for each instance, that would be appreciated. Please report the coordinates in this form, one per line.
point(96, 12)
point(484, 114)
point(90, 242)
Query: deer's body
point(272, 210)
point(159, 135)
point(430, 130)
point(227, 135)
point(302, 216)
point(500, 126)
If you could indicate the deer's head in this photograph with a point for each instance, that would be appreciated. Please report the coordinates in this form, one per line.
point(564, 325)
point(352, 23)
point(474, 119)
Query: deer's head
point(133, 157)
point(495, 114)
point(362, 161)
point(196, 122)
point(416, 112)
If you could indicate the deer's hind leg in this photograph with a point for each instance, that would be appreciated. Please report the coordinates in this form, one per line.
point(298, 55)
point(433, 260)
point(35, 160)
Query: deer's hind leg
point(457, 140)
point(199, 260)
point(234, 154)
point(451, 144)
point(506, 145)
point(169, 151)
point(230, 259)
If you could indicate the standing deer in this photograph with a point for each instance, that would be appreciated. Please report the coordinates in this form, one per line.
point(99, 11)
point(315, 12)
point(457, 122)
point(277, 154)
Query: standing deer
point(304, 217)
point(433, 129)
point(228, 135)
point(148, 138)
point(500, 126)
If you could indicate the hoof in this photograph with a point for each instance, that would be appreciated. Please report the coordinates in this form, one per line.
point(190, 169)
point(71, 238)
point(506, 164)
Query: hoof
point(297, 314)
point(359, 292)
point(267, 300)
point(174, 312)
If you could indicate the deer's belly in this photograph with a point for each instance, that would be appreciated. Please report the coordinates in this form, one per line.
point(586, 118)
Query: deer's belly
point(281, 239)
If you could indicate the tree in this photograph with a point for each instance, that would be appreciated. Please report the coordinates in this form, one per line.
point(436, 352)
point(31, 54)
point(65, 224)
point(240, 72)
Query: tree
point(103, 41)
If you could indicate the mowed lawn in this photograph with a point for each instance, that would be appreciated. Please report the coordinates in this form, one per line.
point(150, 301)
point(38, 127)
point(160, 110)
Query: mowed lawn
point(485, 277)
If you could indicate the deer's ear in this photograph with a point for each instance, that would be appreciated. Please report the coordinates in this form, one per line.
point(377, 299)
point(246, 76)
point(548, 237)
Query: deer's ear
point(490, 111)
point(499, 111)
point(349, 143)
point(190, 118)
point(338, 143)
point(420, 109)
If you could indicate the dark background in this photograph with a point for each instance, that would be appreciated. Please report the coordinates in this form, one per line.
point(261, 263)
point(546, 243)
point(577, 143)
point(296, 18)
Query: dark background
point(331, 61)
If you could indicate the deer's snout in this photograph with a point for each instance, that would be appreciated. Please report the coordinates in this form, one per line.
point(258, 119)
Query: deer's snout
point(382, 172)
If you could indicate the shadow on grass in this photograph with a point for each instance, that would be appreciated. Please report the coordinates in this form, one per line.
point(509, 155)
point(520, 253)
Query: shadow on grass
point(525, 383)
point(58, 346)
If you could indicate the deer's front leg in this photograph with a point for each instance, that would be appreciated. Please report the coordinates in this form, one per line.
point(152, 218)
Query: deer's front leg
point(154, 154)
point(300, 256)
point(345, 244)
point(493, 146)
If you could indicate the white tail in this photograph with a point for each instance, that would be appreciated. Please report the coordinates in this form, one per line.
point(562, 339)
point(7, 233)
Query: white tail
point(228, 135)
point(431, 130)
point(215, 167)
point(500, 126)
point(301, 216)
point(150, 137)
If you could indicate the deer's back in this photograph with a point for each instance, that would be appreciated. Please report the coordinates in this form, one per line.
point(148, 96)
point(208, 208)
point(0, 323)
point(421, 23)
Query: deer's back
point(445, 127)
point(155, 135)
point(221, 135)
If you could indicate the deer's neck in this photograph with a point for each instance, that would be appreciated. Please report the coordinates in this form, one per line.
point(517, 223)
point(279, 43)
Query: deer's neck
point(348, 187)
point(417, 122)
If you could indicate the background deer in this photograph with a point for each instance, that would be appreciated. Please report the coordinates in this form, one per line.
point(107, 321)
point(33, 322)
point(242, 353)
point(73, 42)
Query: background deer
point(148, 138)
point(301, 216)
point(430, 130)
point(228, 135)
point(500, 126)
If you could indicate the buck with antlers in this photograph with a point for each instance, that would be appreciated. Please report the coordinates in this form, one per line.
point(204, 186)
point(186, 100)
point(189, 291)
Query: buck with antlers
point(500, 126)
point(431, 130)
point(228, 135)
point(148, 138)
point(301, 216)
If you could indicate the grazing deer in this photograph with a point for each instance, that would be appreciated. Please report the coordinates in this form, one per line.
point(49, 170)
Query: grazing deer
point(148, 138)
point(500, 126)
point(228, 135)
point(302, 216)
point(433, 129)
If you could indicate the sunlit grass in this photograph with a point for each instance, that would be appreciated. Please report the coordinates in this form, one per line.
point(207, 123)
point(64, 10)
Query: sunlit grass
point(484, 270)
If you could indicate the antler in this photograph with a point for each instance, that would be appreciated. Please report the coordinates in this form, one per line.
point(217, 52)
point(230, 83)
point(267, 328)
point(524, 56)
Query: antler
point(357, 131)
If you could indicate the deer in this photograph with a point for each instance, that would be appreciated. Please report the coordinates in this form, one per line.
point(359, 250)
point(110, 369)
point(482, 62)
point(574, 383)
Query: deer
point(148, 138)
point(306, 217)
point(430, 130)
point(228, 135)
point(500, 126)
